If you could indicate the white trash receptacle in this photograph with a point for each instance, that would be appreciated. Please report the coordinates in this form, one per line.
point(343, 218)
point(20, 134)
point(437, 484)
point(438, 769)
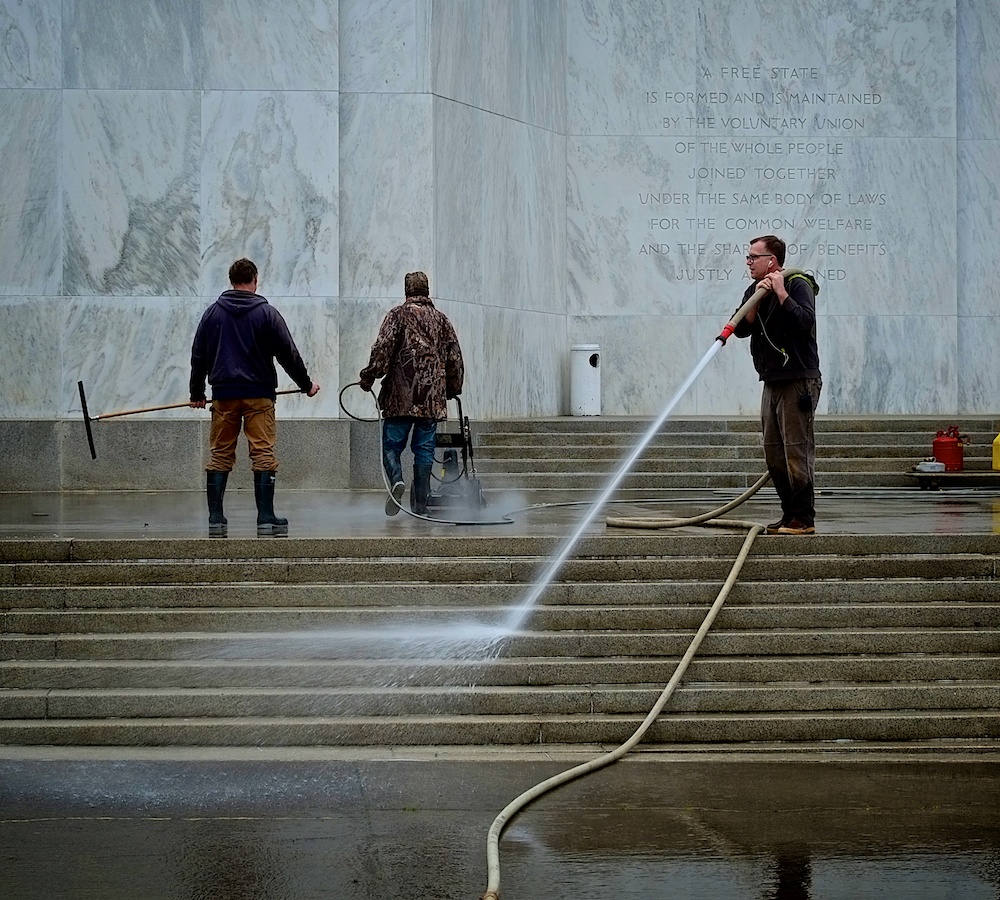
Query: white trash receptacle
point(585, 380)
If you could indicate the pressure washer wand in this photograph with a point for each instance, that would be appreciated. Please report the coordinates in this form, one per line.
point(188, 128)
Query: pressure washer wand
point(755, 298)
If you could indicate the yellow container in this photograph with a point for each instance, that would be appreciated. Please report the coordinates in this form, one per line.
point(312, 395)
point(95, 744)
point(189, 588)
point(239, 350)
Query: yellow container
point(996, 453)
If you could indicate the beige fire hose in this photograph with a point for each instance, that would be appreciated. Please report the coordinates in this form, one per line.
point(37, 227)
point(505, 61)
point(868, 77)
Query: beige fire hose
point(710, 518)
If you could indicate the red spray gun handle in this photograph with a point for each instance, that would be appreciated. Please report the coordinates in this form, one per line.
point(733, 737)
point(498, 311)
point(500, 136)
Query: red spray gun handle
point(755, 298)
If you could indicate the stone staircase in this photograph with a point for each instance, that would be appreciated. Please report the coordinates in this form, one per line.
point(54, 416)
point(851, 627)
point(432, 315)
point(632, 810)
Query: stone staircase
point(380, 641)
point(718, 453)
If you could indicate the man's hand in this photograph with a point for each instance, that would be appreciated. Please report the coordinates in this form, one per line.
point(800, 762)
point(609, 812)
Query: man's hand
point(313, 390)
point(367, 388)
point(197, 404)
point(775, 282)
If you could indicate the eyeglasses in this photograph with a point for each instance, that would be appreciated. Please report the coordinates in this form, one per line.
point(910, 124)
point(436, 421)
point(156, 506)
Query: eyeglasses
point(752, 256)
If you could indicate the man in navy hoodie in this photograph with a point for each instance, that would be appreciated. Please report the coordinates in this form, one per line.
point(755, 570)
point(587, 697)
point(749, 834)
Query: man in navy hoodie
point(237, 341)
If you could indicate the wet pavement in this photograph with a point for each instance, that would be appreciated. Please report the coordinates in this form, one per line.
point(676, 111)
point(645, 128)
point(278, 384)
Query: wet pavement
point(326, 514)
point(820, 823)
point(698, 826)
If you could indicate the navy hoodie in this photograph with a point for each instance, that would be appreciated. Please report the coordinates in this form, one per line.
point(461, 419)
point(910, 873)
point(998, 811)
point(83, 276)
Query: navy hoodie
point(237, 341)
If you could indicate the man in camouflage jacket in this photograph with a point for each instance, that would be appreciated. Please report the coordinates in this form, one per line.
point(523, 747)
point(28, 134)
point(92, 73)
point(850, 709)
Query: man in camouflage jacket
point(418, 356)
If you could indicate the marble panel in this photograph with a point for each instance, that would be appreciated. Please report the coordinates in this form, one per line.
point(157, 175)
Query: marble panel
point(459, 175)
point(505, 205)
point(978, 255)
point(514, 360)
point(385, 46)
point(31, 223)
point(132, 44)
point(314, 324)
point(644, 360)
point(503, 58)
point(386, 206)
point(544, 181)
point(358, 325)
point(545, 57)
point(978, 366)
point(457, 51)
point(889, 365)
point(904, 53)
point(269, 187)
point(855, 213)
point(130, 175)
point(630, 67)
point(129, 352)
point(978, 37)
point(837, 71)
point(632, 236)
point(30, 355)
point(260, 45)
point(30, 44)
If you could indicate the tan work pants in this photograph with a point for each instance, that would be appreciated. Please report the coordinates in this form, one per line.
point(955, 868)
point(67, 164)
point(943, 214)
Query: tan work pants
point(257, 418)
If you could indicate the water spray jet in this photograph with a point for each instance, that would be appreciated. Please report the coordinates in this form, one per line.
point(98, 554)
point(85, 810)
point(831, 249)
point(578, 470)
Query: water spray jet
point(521, 612)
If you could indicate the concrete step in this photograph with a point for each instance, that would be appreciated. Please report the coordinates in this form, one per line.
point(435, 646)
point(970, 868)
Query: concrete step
point(370, 644)
point(501, 570)
point(878, 725)
point(594, 699)
point(305, 642)
point(566, 617)
point(59, 674)
point(465, 595)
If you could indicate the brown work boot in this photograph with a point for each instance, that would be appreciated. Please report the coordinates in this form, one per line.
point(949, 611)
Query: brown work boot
point(774, 526)
point(796, 527)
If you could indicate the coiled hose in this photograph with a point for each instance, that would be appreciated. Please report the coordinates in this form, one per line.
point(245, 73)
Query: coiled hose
point(711, 519)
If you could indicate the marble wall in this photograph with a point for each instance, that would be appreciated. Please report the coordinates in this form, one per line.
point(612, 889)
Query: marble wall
point(863, 134)
point(566, 171)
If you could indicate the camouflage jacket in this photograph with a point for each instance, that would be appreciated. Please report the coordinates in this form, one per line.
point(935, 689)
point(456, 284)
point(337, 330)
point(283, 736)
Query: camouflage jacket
point(418, 355)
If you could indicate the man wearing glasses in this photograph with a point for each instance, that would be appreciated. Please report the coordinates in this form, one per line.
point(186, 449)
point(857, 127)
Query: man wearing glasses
point(782, 332)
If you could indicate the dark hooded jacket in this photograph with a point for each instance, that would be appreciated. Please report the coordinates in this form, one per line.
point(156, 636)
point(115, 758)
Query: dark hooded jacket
point(237, 341)
point(783, 336)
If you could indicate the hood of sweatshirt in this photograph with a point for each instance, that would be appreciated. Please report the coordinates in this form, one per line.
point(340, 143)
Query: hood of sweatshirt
point(238, 303)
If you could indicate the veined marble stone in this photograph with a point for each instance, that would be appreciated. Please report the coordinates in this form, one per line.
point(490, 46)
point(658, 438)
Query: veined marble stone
point(387, 210)
point(30, 44)
point(385, 46)
point(132, 44)
point(978, 70)
point(30, 365)
point(31, 222)
point(269, 189)
point(131, 192)
point(889, 364)
point(147, 363)
point(259, 45)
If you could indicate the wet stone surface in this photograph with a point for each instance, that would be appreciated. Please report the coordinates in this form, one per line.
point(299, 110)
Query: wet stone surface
point(654, 825)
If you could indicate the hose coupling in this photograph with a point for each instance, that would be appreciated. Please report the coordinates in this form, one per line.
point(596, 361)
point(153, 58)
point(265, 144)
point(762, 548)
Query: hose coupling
point(490, 895)
point(726, 332)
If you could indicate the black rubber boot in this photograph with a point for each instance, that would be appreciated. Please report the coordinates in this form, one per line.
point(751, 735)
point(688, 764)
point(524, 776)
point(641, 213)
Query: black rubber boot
point(263, 492)
point(419, 489)
point(215, 487)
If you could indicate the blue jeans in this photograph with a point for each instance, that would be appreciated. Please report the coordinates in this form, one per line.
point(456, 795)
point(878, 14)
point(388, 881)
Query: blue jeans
point(395, 431)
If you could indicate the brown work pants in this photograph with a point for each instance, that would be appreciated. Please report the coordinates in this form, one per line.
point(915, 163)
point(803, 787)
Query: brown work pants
point(257, 418)
point(787, 411)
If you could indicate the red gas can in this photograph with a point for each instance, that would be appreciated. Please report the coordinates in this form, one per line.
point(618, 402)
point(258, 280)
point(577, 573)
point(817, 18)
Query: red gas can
point(949, 449)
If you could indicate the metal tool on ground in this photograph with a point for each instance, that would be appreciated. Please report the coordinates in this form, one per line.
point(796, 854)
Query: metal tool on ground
point(88, 418)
